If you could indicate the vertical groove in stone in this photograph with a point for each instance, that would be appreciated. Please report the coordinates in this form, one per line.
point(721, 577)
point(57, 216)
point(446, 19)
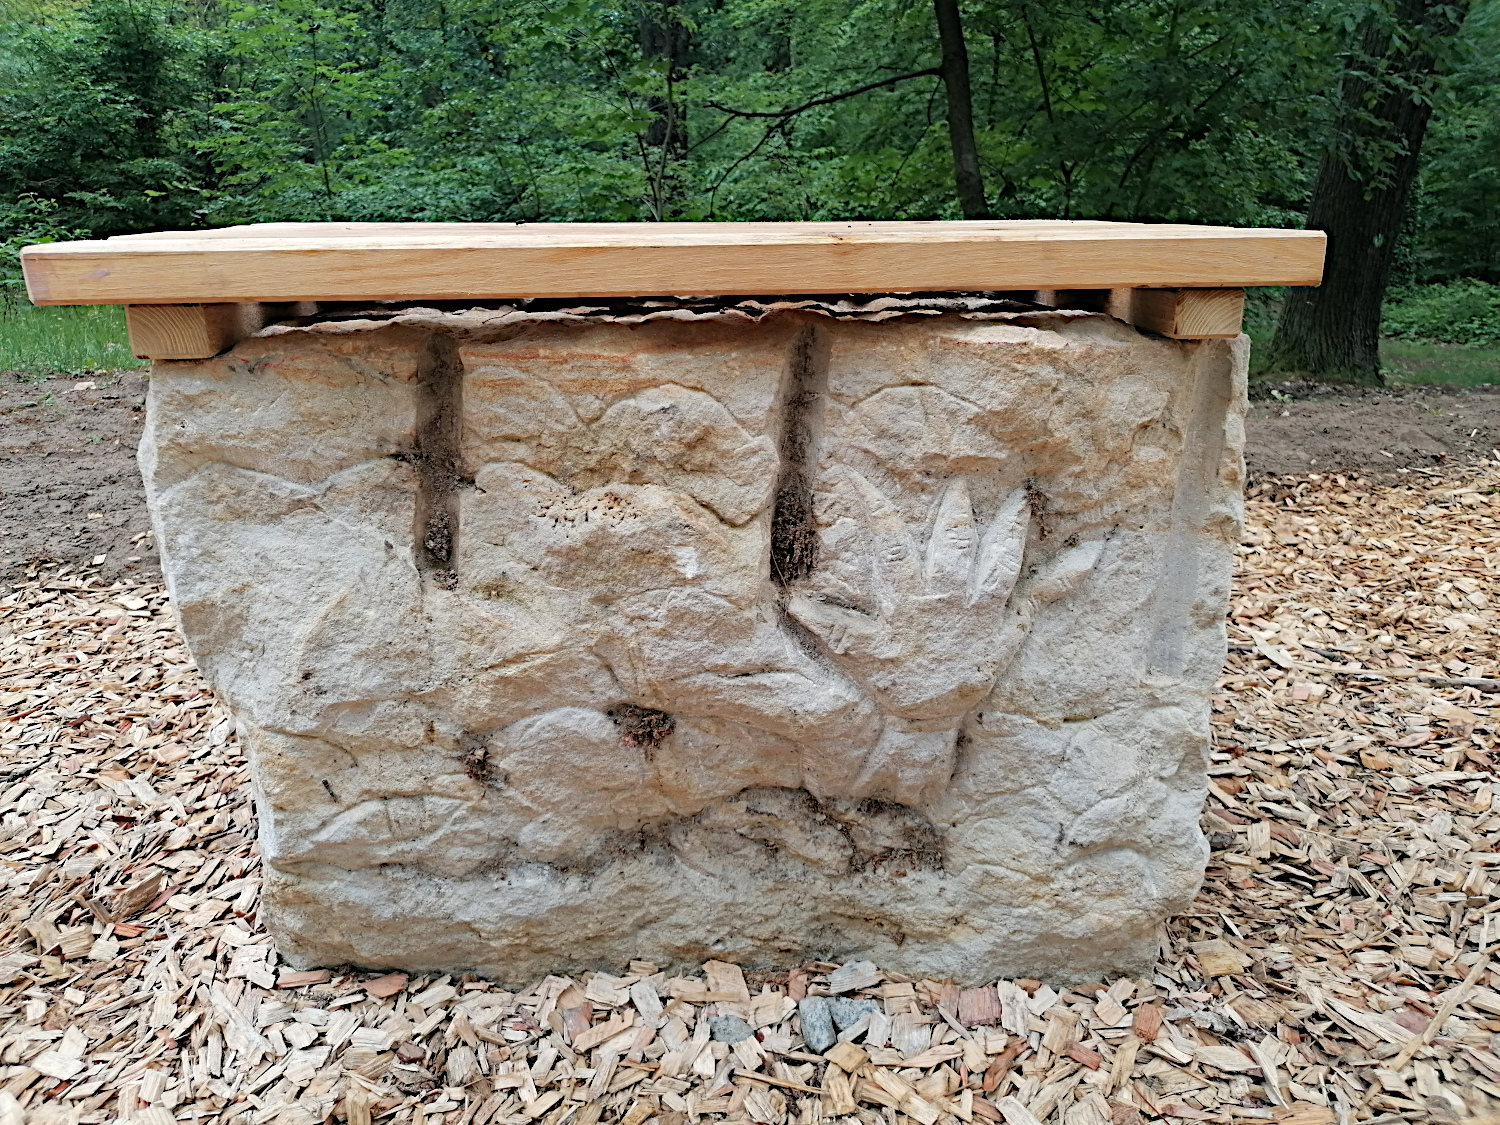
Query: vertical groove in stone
point(439, 428)
point(794, 531)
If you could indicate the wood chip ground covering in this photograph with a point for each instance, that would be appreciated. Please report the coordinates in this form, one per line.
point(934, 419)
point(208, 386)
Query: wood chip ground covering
point(1336, 967)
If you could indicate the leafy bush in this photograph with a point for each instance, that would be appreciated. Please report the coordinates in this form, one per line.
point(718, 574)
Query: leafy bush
point(1466, 311)
point(24, 221)
point(103, 108)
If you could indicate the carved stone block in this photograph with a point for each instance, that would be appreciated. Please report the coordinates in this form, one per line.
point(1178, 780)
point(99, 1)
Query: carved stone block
point(560, 643)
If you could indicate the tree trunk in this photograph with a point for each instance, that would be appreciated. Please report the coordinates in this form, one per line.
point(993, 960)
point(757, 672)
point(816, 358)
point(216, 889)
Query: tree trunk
point(960, 111)
point(1360, 199)
point(663, 36)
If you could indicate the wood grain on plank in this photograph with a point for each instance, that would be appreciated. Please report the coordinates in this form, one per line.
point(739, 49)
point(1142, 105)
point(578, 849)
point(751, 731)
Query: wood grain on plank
point(476, 261)
point(1185, 314)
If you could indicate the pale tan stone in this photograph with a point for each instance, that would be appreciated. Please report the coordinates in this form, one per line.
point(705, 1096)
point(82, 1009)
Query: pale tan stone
point(566, 643)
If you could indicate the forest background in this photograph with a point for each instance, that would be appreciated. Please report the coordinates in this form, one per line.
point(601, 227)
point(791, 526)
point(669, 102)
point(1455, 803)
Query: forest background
point(120, 116)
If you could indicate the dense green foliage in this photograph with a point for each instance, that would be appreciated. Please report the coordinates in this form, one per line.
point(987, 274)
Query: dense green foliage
point(130, 115)
point(25, 219)
point(1466, 311)
point(102, 117)
point(133, 114)
point(1455, 225)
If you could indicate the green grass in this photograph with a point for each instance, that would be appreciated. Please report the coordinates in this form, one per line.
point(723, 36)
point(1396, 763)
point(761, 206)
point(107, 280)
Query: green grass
point(1410, 362)
point(64, 340)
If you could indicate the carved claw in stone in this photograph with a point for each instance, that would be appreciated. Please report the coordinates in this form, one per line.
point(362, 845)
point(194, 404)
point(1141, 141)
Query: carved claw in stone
point(932, 640)
point(686, 650)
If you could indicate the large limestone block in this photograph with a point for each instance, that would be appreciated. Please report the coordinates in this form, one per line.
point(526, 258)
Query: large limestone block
point(557, 644)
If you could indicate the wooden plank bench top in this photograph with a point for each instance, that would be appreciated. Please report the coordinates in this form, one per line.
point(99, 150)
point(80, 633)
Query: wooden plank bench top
point(462, 261)
point(191, 294)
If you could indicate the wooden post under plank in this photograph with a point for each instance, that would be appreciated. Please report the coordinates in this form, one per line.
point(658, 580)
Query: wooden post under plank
point(1183, 314)
point(200, 332)
point(203, 331)
point(190, 331)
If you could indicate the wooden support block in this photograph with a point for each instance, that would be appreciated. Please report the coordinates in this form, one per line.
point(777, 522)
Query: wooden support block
point(190, 331)
point(1183, 314)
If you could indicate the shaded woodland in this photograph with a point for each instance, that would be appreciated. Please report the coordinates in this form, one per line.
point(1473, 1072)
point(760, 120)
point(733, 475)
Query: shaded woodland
point(1377, 121)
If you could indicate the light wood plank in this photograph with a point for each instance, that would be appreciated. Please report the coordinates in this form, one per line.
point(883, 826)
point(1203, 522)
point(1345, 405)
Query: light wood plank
point(637, 234)
point(1183, 314)
point(476, 261)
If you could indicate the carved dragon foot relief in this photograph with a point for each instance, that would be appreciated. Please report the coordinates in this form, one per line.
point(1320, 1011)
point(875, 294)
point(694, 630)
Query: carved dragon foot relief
point(943, 624)
point(925, 637)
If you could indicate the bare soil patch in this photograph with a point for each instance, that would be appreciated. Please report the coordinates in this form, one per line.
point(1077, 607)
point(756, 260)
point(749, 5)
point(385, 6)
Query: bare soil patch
point(69, 487)
point(1315, 428)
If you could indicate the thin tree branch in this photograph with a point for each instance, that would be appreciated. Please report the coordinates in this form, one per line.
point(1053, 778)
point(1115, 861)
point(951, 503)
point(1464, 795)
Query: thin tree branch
point(1036, 58)
point(713, 194)
point(710, 135)
point(1173, 119)
point(829, 100)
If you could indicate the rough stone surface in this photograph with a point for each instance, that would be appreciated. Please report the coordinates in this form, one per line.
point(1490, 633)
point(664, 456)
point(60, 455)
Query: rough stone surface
point(729, 1029)
point(558, 644)
point(817, 1023)
point(846, 1013)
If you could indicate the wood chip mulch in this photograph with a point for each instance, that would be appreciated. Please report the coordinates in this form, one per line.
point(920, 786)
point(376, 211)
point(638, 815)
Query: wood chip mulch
point(1337, 966)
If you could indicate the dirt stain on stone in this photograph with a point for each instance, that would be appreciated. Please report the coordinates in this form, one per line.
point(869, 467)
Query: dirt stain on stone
point(644, 728)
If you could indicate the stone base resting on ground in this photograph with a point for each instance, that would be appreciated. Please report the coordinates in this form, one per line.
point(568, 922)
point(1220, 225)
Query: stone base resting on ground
point(558, 640)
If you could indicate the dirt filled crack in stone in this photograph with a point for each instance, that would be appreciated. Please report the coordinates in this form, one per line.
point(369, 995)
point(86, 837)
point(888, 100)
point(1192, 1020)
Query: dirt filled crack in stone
point(439, 430)
point(641, 727)
point(794, 531)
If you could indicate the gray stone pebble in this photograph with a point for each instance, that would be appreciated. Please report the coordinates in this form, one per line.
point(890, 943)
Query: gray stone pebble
point(729, 1029)
point(817, 1023)
point(846, 1013)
